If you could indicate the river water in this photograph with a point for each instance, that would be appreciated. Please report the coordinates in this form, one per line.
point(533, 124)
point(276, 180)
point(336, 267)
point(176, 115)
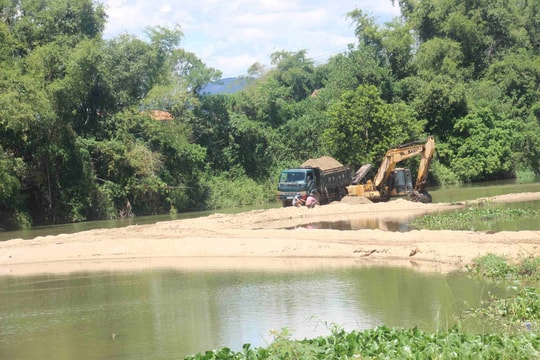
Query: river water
point(170, 314)
point(165, 314)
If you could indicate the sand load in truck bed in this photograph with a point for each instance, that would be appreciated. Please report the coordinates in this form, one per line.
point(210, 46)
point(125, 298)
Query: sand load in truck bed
point(323, 163)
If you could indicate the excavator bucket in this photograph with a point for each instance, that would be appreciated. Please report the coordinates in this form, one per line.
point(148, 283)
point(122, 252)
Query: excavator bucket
point(423, 197)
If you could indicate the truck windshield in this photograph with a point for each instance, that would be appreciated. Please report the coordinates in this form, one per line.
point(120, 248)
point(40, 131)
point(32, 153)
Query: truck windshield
point(293, 176)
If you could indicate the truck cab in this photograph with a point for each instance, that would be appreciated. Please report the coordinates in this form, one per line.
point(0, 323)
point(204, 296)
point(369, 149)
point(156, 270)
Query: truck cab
point(293, 181)
point(328, 184)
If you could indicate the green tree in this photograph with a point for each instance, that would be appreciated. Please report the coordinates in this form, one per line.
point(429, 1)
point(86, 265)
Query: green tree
point(82, 95)
point(528, 145)
point(518, 76)
point(133, 69)
point(11, 200)
point(38, 22)
point(294, 71)
point(391, 45)
point(264, 101)
point(301, 137)
point(212, 130)
point(148, 163)
point(191, 72)
point(398, 43)
point(363, 127)
point(441, 56)
point(250, 146)
point(439, 99)
point(486, 29)
point(484, 146)
point(347, 71)
point(438, 90)
point(272, 98)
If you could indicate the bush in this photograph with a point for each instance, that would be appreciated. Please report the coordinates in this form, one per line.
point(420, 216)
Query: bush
point(442, 175)
point(229, 190)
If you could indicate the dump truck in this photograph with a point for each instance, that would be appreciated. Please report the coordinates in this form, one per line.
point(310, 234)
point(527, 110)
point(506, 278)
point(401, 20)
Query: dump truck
point(325, 177)
point(391, 181)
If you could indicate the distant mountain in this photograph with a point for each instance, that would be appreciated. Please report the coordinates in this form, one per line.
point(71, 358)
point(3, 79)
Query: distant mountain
point(225, 86)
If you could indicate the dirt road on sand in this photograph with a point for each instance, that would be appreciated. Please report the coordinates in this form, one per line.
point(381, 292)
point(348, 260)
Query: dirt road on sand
point(263, 240)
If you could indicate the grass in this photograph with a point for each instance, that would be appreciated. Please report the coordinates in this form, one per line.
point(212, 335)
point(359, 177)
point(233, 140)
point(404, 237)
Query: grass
point(519, 312)
point(497, 267)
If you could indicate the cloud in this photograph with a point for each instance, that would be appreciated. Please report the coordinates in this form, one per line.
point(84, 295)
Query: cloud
point(231, 36)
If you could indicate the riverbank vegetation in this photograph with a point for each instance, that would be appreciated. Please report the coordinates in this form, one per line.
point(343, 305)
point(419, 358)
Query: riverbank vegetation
point(516, 321)
point(386, 343)
point(472, 216)
point(521, 310)
point(94, 128)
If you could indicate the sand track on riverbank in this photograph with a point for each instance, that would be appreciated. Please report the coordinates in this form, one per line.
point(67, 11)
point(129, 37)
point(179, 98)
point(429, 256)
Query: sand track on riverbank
point(263, 240)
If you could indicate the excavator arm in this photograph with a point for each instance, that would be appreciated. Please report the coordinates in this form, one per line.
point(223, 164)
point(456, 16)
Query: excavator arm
point(425, 161)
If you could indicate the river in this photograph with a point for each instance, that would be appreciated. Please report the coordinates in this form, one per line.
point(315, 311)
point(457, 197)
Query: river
point(170, 314)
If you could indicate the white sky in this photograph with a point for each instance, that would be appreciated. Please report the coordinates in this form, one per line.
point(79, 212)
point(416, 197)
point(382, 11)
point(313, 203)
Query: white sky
point(232, 35)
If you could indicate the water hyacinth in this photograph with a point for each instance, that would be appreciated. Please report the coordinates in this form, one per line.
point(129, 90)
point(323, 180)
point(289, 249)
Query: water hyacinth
point(460, 219)
point(391, 343)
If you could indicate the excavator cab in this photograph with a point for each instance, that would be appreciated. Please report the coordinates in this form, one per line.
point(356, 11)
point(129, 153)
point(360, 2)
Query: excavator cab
point(401, 181)
point(403, 186)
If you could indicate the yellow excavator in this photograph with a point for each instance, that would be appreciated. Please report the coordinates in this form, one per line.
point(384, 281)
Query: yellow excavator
point(391, 181)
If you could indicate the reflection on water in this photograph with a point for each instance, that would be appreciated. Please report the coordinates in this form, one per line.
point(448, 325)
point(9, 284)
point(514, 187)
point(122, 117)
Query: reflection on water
point(403, 225)
point(170, 314)
point(360, 224)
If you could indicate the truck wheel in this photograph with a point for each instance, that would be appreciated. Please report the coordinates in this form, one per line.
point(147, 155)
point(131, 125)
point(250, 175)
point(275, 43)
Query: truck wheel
point(285, 203)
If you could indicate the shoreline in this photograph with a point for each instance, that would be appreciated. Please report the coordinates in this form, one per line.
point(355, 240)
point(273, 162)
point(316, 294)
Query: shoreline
point(263, 239)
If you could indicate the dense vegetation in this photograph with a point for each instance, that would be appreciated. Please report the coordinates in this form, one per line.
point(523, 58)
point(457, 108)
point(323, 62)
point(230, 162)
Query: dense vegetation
point(80, 139)
point(515, 320)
